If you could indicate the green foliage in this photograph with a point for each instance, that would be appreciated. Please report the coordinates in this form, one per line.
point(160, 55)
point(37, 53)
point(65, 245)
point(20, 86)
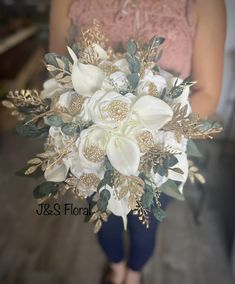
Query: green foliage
point(147, 199)
point(54, 120)
point(69, 128)
point(158, 213)
point(133, 80)
point(170, 188)
point(102, 205)
point(31, 131)
point(45, 189)
point(105, 194)
point(192, 150)
point(132, 47)
point(134, 64)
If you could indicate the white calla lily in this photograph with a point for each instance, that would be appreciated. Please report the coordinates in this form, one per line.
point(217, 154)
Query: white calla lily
point(118, 207)
point(183, 165)
point(57, 172)
point(152, 112)
point(124, 154)
point(86, 78)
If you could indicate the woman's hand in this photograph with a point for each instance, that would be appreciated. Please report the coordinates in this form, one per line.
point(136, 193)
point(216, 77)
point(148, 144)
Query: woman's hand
point(59, 25)
point(208, 55)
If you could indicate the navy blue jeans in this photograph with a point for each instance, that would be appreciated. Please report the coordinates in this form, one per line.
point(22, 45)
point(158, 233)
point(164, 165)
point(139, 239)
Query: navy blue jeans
point(142, 239)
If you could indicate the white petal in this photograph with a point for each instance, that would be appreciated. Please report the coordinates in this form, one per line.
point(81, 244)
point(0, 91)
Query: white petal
point(152, 112)
point(86, 78)
point(183, 165)
point(97, 49)
point(118, 207)
point(57, 173)
point(72, 54)
point(124, 155)
point(167, 138)
point(157, 80)
point(65, 99)
point(51, 87)
point(122, 65)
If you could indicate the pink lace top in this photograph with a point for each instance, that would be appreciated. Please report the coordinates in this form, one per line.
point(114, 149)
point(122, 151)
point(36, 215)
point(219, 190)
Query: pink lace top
point(141, 19)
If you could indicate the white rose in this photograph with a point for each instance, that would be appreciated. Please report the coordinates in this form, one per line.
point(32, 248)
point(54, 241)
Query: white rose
point(149, 77)
point(117, 81)
point(122, 65)
point(109, 109)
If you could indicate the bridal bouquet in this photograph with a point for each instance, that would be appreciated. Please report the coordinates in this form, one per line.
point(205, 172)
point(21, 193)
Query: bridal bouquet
point(117, 128)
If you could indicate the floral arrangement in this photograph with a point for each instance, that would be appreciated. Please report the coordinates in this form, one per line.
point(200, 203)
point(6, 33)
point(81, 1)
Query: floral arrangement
point(118, 128)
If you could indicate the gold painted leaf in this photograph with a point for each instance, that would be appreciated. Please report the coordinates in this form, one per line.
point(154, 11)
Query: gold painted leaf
point(31, 170)
point(123, 192)
point(15, 113)
point(97, 226)
point(94, 217)
point(8, 104)
point(60, 63)
point(66, 79)
point(200, 178)
point(132, 202)
point(34, 161)
point(51, 68)
point(104, 217)
point(177, 170)
point(59, 76)
point(94, 208)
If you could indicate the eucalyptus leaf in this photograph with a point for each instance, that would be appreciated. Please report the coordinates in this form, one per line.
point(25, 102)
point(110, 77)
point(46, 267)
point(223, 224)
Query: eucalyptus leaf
point(132, 47)
point(69, 128)
point(133, 80)
point(158, 213)
point(170, 161)
point(101, 184)
point(170, 188)
point(102, 204)
point(45, 189)
point(54, 120)
point(105, 194)
point(31, 131)
point(155, 41)
point(134, 65)
point(192, 149)
point(147, 199)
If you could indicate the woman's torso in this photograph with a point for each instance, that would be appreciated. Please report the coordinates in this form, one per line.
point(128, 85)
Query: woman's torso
point(142, 19)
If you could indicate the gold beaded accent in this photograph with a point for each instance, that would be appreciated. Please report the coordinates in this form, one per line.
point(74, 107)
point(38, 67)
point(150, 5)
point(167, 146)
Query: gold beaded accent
point(145, 140)
point(93, 153)
point(152, 90)
point(89, 180)
point(118, 110)
point(76, 104)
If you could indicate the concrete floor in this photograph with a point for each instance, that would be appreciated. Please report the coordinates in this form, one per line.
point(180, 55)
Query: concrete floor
point(63, 249)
